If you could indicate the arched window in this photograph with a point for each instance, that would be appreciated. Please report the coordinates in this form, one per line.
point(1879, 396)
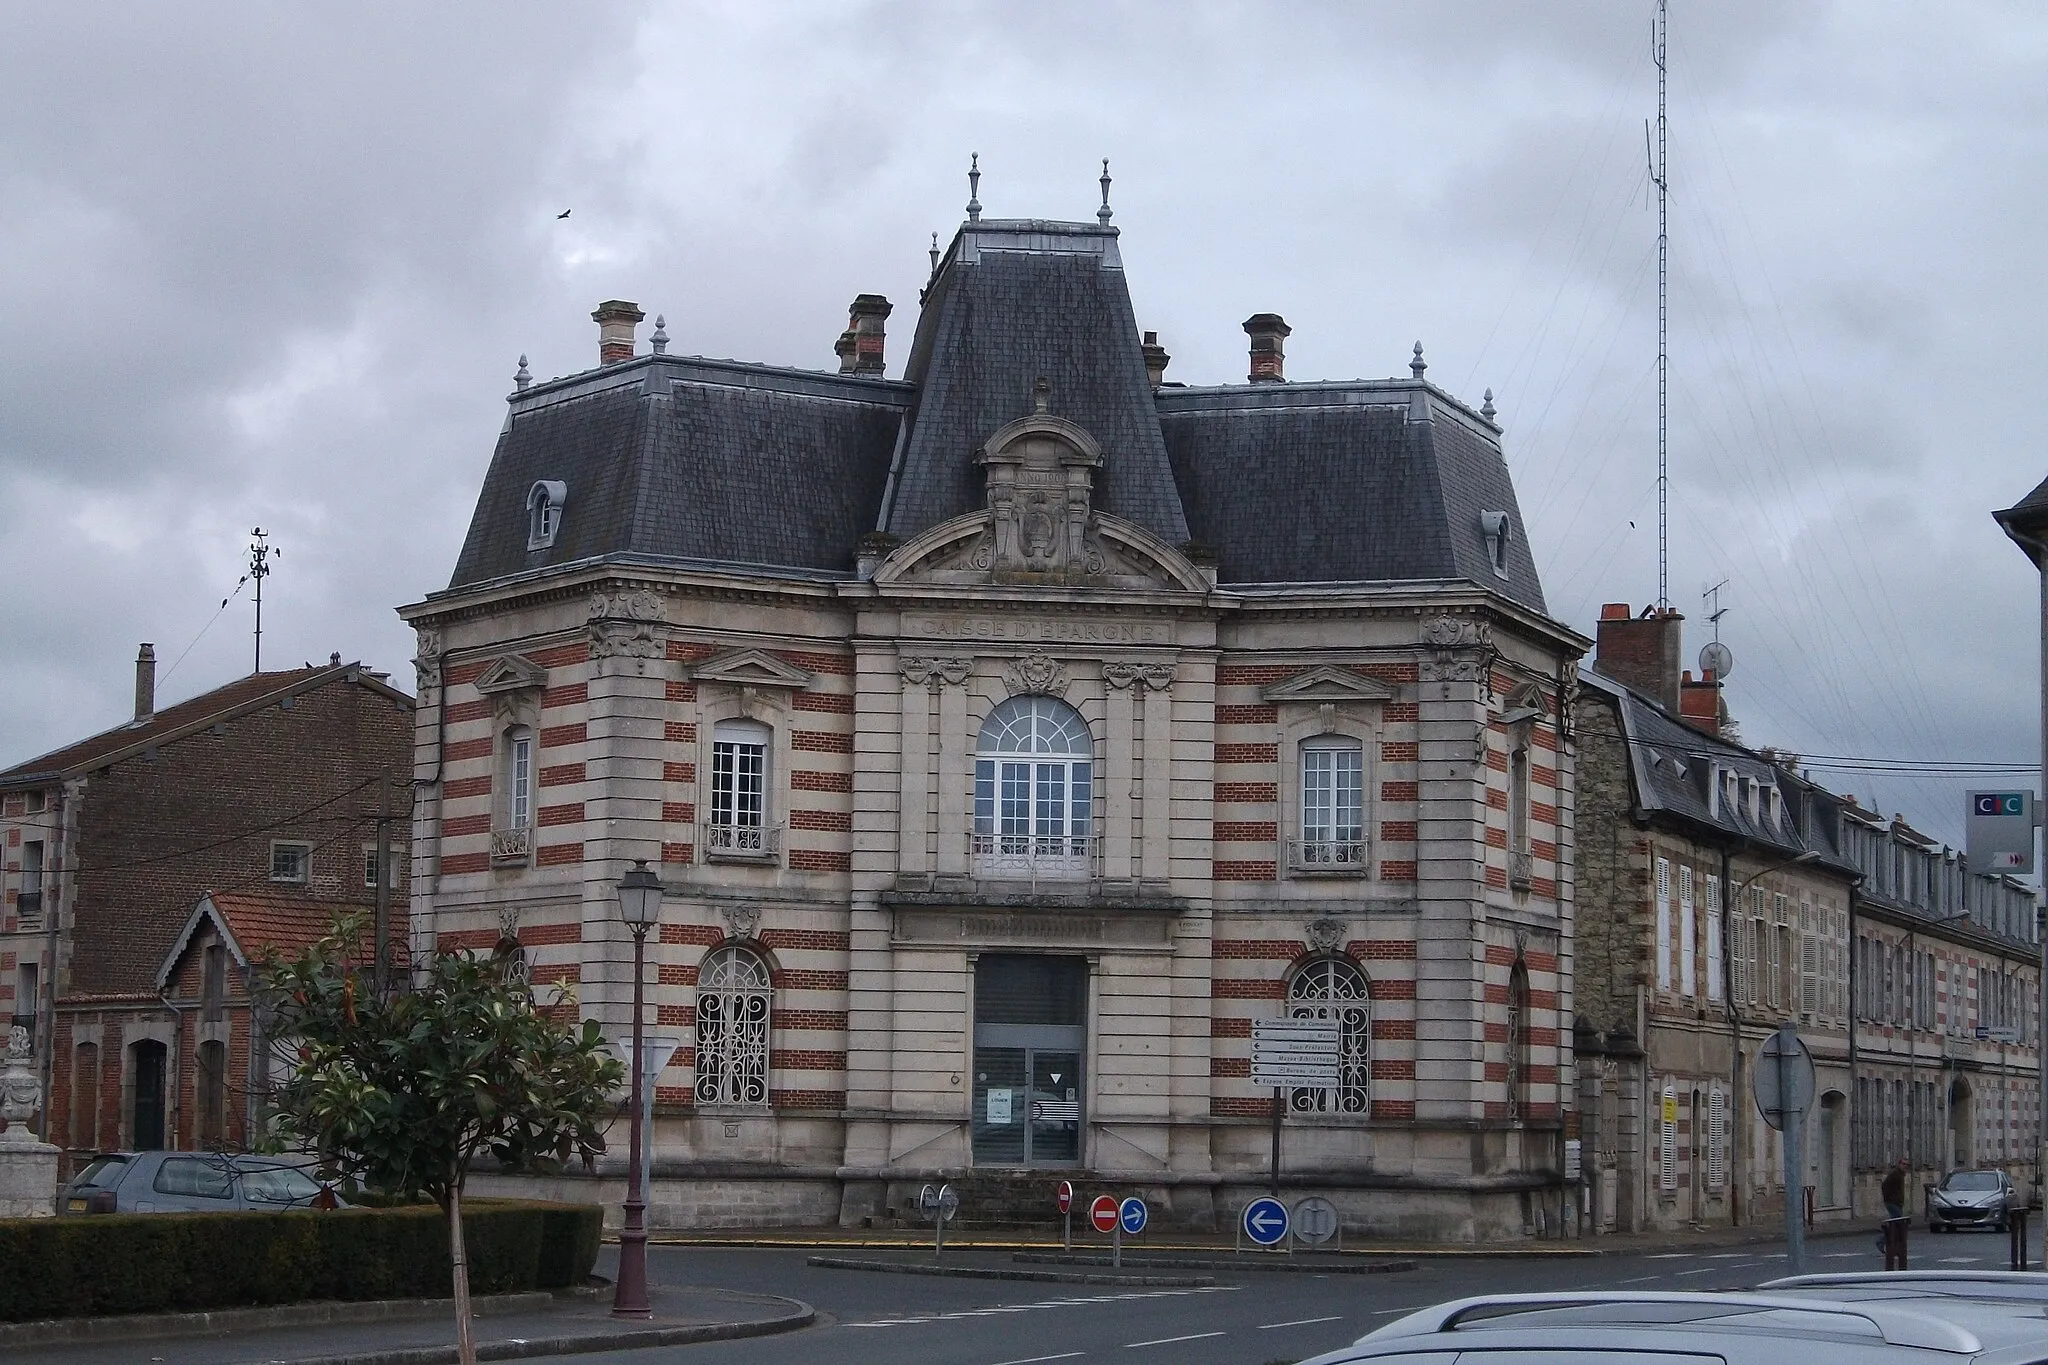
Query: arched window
point(1034, 790)
point(732, 1028)
point(1334, 988)
point(1518, 1043)
point(544, 512)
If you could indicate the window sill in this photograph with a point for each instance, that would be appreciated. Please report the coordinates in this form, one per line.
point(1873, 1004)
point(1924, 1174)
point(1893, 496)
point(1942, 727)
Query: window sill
point(1351, 871)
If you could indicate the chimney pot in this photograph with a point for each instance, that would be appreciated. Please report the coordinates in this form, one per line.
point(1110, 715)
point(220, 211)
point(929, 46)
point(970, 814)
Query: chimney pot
point(145, 682)
point(1269, 333)
point(1699, 702)
point(1615, 611)
point(1156, 359)
point(616, 319)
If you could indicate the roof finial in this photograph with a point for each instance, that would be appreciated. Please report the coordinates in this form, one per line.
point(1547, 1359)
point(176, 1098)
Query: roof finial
point(1417, 365)
point(974, 189)
point(935, 253)
point(522, 376)
point(1102, 214)
point(660, 337)
point(1041, 394)
point(1487, 409)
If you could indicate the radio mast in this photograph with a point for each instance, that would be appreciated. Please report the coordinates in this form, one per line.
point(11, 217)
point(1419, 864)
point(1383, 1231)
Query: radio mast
point(259, 569)
point(1658, 30)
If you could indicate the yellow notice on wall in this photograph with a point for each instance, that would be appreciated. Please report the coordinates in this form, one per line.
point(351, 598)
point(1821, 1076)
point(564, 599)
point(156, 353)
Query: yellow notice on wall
point(1671, 1109)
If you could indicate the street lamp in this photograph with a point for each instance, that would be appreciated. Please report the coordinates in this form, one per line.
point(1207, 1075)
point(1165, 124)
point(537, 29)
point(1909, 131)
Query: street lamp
point(640, 907)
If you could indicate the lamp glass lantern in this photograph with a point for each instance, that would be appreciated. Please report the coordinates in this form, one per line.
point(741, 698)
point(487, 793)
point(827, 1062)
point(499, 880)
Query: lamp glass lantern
point(640, 897)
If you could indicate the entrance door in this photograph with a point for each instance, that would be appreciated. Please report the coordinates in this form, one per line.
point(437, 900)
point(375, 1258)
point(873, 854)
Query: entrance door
point(149, 1096)
point(1030, 1032)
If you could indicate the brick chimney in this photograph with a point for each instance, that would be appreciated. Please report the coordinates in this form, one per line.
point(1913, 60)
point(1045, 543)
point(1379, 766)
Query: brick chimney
point(145, 682)
point(1640, 651)
point(615, 319)
point(860, 346)
point(1699, 702)
point(1156, 359)
point(1269, 333)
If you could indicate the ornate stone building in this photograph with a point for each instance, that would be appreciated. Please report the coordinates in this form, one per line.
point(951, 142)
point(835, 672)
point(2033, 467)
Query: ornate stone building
point(1008, 736)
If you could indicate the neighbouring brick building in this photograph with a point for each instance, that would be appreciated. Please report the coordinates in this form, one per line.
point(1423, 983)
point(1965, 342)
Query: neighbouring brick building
point(1714, 904)
point(148, 865)
point(1008, 737)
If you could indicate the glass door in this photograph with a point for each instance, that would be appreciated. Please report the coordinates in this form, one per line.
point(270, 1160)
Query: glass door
point(1030, 1033)
point(1054, 1133)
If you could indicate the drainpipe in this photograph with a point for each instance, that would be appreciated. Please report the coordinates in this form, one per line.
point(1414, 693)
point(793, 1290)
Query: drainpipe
point(1855, 1054)
point(1737, 1112)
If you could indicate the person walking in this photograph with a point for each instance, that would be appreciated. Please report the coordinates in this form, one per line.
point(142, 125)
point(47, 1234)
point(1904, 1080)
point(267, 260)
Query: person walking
point(1892, 1190)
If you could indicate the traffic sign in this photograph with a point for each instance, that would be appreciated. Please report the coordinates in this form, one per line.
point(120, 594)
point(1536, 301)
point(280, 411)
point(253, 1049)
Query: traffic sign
point(1783, 1079)
point(1065, 1197)
point(1265, 1221)
point(1103, 1213)
point(1315, 1220)
point(2000, 832)
point(1132, 1214)
point(1296, 1052)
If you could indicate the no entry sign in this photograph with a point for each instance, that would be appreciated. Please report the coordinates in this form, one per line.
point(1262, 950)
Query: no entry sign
point(1065, 1198)
point(1103, 1213)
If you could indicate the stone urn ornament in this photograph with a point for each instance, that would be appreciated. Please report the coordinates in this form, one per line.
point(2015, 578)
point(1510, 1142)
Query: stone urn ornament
point(21, 1094)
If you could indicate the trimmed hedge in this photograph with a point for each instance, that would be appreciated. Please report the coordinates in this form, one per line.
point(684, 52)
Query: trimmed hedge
point(187, 1262)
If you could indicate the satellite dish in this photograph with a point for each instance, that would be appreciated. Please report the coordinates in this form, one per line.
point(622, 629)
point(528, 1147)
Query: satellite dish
point(1717, 659)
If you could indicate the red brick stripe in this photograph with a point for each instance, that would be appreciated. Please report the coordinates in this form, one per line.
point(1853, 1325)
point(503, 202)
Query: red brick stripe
point(568, 814)
point(681, 691)
point(819, 741)
point(555, 855)
point(455, 789)
point(558, 736)
point(561, 774)
point(459, 712)
point(1245, 831)
point(456, 750)
point(1260, 949)
point(1253, 870)
point(1399, 751)
point(790, 978)
point(1257, 793)
point(679, 772)
point(1399, 791)
point(803, 781)
point(803, 1059)
point(820, 860)
point(679, 731)
point(836, 702)
point(570, 694)
point(816, 663)
point(454, 864)
point(702, 935)
point(1227, 989)
point(806, 940)
point(1260, 714)
point(679, 812)
point(836, 821)
point(456, 826)
point(1247, 753)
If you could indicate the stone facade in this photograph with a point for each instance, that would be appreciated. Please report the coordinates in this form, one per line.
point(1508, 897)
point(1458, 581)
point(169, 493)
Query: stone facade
point(886, 968)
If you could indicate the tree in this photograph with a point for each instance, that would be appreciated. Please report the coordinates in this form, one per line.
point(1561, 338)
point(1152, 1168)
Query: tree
point(403, 1091)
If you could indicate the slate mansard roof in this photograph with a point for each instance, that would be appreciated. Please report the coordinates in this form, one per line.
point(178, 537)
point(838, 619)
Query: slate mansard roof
point(717, 463)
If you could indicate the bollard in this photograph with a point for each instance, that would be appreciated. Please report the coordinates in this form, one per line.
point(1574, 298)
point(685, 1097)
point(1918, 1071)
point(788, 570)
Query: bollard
point(1895, 1243)
point(2016, 1224)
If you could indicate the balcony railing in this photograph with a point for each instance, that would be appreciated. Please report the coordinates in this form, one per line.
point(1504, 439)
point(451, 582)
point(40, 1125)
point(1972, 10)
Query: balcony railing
point(1033, 857)
point(742, 843)
point(1331, 857)
point(512, 846)
point(1521, 870)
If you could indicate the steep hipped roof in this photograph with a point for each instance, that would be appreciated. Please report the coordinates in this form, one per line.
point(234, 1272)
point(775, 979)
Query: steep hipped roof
point(716, 463)
point(2025, 520)
point(244, 694)
point(1015, 302)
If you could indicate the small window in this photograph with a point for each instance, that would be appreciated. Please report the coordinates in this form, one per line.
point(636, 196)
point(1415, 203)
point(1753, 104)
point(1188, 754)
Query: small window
point(35, 803)
point(396, 861)
point(291, 862)
point(544, 512)
point(1499, 531)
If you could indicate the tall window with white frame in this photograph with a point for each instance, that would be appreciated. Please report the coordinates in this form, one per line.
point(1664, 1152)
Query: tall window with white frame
point(739, 790)
point(1334, 988)
point(1034, 791)
point(733, 1009)
point(519, 779)
point(1332, 804)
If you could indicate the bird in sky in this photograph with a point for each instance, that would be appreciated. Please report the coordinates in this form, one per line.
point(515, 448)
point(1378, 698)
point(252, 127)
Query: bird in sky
point(564, 213)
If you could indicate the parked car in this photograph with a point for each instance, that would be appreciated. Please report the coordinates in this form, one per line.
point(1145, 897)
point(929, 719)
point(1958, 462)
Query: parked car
point(188, 1182)
point(1971, 1199)
point(1587, 1328)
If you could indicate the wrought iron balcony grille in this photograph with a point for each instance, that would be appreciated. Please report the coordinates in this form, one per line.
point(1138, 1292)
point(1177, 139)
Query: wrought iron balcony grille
point(1034, 857)
point(513, 845)
point(1338, 857)
point(742, 843)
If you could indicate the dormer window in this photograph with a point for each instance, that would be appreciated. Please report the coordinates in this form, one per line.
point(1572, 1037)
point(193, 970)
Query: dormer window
point(1499, 531)
point(544, 512)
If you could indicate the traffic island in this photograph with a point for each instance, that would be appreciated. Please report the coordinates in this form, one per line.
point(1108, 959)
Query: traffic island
point(1264, 1260)
point(977, 1272)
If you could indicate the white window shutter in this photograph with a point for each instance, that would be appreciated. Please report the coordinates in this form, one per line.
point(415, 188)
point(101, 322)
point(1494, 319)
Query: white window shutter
point(1714, 931)
point(1809, 974)
point(1663, 924)
point(1667, 1140)
point(1717, 1138)
point(1688, 965)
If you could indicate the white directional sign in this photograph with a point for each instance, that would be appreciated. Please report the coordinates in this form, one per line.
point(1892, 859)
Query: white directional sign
point(1296, 1052)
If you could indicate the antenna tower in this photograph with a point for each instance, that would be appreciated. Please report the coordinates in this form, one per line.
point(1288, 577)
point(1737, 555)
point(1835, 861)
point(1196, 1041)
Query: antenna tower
point(260, 552)
point(1658, 30)
point(1715, 611)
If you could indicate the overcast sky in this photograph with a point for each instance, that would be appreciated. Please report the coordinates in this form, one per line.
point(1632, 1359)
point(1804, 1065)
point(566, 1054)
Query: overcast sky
point(266, 264)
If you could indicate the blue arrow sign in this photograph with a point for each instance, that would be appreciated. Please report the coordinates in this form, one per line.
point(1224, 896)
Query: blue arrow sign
point(1132, 1214)
point(1265, 1221)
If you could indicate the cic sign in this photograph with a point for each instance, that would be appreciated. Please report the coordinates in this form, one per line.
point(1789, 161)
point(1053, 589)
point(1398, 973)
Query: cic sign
point(2000, 832)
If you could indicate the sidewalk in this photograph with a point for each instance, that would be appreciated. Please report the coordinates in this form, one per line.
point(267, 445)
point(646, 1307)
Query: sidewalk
point(569, 1326)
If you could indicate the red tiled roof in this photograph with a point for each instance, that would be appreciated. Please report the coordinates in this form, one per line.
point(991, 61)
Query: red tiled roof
point(196, 711)
point(261, 919)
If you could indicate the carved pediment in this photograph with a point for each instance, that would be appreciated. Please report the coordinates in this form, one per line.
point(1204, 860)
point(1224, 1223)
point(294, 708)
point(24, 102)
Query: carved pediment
point(1523, 705)
point(1327, 684)
point(750, 668)
point(512, 673)
point(1121, 554)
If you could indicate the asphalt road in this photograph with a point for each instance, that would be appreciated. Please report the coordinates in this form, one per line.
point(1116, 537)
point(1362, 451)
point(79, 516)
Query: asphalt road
point(1248, 1318)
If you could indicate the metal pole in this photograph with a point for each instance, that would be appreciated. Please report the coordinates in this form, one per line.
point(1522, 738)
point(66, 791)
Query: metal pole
point(1278, 1097)
point(1795, 1157)
point(1067, 1230)
point(2041, 934)
point(1116, 1241)
point(382, 973)
point(629, 1300)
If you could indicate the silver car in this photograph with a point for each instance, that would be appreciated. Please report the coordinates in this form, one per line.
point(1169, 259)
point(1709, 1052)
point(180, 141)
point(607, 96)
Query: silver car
point(1594, 1327)
point(1971, 1199)
point(187, 1182)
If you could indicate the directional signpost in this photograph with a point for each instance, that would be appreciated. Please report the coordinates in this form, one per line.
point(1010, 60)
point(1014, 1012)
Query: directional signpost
point(1783, 1087)
point(1265, 1221)
point(1298, 1053)
point(1065, 1199)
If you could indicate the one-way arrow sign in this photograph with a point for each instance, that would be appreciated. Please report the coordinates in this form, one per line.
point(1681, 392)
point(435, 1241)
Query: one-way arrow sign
point(1265, 1221)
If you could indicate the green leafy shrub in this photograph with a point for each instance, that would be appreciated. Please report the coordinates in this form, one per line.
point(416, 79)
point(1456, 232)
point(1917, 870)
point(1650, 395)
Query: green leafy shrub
point(187, 1262)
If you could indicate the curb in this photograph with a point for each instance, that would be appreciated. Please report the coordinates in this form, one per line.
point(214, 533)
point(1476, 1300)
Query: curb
point(74, 1331)
point(736, 1241)
point(1261, 1263)
point(526, 1348)
point(969, 1272)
